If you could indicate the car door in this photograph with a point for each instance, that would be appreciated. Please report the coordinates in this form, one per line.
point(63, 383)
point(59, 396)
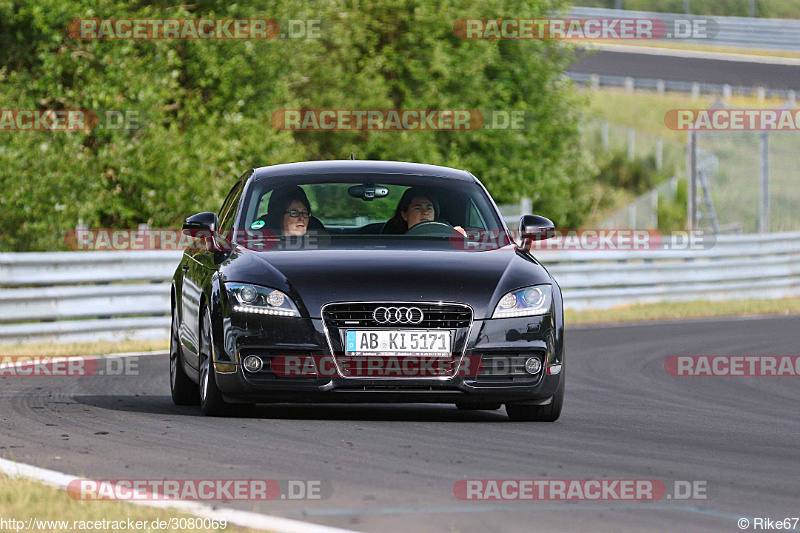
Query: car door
point(200, 263)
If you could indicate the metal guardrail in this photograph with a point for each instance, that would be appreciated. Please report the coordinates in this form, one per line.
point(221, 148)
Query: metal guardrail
point(736, 267)
point(695, 88)
point(734, 32)
point(80, 296)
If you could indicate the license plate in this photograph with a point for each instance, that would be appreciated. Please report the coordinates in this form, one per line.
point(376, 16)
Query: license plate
point(398, 342)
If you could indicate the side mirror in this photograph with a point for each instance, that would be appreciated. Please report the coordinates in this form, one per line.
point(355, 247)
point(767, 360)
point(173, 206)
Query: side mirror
point(536, 228)
point(204, 223)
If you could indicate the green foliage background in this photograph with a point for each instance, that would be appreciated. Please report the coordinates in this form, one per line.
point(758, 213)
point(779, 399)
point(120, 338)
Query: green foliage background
point(208, 106)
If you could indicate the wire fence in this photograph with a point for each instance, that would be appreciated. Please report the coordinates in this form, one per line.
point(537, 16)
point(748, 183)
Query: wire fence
point(733, 170)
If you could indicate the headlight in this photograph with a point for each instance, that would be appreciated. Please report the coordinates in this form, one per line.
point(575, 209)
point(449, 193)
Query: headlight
point(525, 302)
point(260, 300)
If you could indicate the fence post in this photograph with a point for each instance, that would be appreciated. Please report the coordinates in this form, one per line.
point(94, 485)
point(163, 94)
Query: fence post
point(660, 87)
point(659, 153)
point(726, 92)
point(629, 84)
point(654, 208)
point(695, 90)
point(594, 81)
point(691, 175)
point(631, 144)
point(632, 215)
point(525, 206)
point(763, 222)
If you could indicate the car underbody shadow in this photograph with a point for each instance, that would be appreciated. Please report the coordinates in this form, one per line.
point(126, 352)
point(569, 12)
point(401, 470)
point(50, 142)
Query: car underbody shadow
point(162, 405)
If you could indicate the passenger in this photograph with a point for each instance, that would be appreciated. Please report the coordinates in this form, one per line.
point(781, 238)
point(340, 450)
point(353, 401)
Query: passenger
point(289, 210)
point(415, 206)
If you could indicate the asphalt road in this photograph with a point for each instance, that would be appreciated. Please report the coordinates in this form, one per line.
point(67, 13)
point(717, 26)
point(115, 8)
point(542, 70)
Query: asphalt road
point(392, 468)
point(641, 65)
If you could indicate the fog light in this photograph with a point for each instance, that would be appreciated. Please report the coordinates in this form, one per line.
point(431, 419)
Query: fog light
point(533, 365)
point(252, 363)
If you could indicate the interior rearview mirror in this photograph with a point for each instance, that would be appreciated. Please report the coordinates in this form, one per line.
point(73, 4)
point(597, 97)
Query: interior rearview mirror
point(368, 192)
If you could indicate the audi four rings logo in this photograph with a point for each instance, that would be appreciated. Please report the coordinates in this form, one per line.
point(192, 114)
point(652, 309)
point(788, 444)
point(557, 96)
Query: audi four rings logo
point(397, 315)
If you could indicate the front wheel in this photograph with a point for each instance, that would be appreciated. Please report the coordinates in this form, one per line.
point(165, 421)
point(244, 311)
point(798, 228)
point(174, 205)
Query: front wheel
point(539, 413)
point(211, 401)
point(183, 389)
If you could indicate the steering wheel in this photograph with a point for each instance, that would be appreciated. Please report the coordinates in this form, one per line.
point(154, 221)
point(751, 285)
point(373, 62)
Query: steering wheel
point(431, 228)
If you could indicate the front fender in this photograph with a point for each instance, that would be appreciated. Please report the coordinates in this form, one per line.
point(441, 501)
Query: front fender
point(217, 303)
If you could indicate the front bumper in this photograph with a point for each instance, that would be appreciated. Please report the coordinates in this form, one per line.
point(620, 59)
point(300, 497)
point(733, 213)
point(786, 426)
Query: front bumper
point(493, 341)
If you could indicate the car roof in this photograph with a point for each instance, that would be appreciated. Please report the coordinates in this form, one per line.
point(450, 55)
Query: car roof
point(349, 166)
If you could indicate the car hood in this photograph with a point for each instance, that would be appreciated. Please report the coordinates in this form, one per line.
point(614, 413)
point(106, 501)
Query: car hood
point(314, 278)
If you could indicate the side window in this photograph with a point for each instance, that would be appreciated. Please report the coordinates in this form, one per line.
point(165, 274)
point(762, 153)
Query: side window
point(475, 218)
point(263, 205)
point(228, 211)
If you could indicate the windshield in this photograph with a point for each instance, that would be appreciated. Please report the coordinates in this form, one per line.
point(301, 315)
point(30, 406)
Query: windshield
point(364, 210)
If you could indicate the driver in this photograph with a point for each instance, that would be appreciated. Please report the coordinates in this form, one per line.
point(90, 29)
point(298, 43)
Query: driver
point(290, 210)
point(417, 205)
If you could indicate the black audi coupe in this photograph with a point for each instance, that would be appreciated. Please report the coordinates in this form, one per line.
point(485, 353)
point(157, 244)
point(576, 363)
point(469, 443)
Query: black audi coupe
point(365, 281)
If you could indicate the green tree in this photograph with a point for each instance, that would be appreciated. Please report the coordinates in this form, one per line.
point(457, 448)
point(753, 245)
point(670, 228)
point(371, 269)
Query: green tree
point(205, 107)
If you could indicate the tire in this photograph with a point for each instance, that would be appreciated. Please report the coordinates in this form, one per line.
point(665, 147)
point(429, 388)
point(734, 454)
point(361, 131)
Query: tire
point(478, 406)
point(539, 413)
point(211, 401)
point(184, 390)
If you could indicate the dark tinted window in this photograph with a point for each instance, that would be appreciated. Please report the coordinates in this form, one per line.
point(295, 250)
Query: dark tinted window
point(228, 210)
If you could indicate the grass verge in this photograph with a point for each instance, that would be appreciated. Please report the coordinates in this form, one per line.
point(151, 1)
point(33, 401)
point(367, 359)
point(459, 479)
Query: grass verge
point(684, 310)
point(85, 348)
point(22, 499)
point(645, 110)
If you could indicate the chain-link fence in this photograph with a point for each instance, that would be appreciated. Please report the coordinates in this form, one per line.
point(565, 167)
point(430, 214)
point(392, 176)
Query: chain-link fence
point(748, 182)
point(601, 136)
point(607, 139)
point(648, 210)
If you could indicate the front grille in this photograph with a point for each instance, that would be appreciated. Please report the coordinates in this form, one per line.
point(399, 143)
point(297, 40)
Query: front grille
point(351, 315)
point(457, 318)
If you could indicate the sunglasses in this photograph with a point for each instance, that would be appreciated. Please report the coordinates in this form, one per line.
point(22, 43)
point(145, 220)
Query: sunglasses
point(294, 213)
